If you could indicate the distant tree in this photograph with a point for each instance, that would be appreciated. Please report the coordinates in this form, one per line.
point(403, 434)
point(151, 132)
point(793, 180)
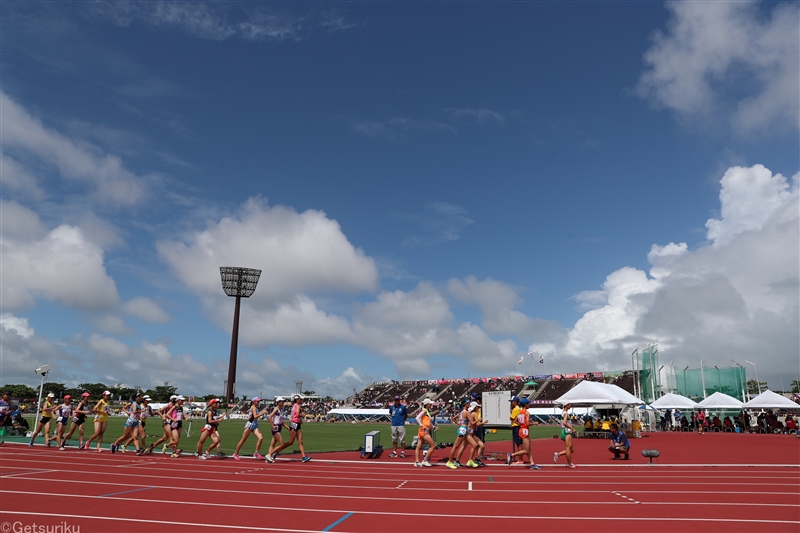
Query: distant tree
point(20, 391)
point(161, 393)
point(59, 389)
point(753, 386)
point(309, 393)
point(94, 389)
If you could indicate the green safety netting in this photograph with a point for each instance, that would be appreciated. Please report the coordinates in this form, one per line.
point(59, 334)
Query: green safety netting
point(700, 383)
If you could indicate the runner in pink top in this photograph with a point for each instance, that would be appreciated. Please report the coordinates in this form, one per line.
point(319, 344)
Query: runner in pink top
point(295, 431)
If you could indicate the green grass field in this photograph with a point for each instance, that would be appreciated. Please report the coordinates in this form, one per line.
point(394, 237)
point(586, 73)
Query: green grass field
point(317, 436)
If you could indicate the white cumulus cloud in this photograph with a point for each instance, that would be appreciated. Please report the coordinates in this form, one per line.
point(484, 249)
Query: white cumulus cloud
point(738, 59)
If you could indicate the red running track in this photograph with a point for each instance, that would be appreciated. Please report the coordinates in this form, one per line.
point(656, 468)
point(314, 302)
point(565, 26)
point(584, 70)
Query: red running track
point(755, 488)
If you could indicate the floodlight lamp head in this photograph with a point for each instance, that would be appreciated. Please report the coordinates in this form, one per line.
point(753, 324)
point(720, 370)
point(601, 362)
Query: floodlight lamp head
point(749, 363)
point(44, 369)
point(238, 281)
point(687, 368)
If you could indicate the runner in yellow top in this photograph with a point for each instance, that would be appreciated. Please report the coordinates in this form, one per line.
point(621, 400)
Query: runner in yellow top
point(424, 435)
point(44, 421)
point(100, 411)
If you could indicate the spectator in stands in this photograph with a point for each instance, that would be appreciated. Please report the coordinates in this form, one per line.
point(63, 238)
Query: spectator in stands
point(399, 414)
point(588, 427)
point(728, 423)
point(598, 426)
point(619, 443)
point(684, 423)
point(791, 423)
point(694, 420)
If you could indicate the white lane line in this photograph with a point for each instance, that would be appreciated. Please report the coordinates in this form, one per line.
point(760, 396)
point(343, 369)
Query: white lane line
point(199, 523)
point(469, 487)
point(175, 502)
point(32, 471)
point(401, 484)
point(623, 496)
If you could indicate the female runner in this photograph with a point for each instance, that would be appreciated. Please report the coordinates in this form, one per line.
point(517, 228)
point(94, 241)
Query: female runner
point(79, 420)
point(424, 435)
point(252, 427)
point(566, 435)
point(295, 430)
point(211, 429)
point(166, 424)
point(63, 413)
point(524, 421)
point(276, 418)
point(131, 426)
point(100, 411)
point(175, 414)
point(44, 421)
point(140, 432)
point(465, 437)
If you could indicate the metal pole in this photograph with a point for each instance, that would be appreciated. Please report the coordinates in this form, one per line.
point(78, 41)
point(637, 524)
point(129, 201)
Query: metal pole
point(703, 378)
point(39, 405)
point(234, 351)
point(758, 383)
point(685, 388)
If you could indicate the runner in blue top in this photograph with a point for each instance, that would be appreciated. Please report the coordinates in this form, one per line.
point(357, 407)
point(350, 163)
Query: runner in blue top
point(399, 414)
point(619, 443)
point(131, 425)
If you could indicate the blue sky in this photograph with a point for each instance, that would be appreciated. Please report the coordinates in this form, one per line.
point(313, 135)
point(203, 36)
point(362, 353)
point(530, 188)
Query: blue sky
point(431, 189)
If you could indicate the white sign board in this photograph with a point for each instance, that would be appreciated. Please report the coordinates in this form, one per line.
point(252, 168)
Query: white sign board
point(496, 408)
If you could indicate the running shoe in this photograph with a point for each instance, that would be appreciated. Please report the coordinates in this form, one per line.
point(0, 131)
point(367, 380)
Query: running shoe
point(258, 455)
point(452, 465)
point(47, 444)
point(236, 456)
point(123, 448)
point(175, 455)
point(150, 451)
point(555, 457)
point(164, 449)
point(393, 454)
point(200, 456)
point(425, 463)
point(270, 458)
point(305, 459)
point(472, 463)
point(415, 463)
point(479, 462)
point(179, 452)
point(519, 462)
point(508, 458)
point(140, 451)
point(570, 466)
point(459, 465)
point(534, 466)
point(221, 455)
point(403, 455)
point(99, 450)
point(113, 448)
point(61, 449)
point(30, 444)
point(81, 446)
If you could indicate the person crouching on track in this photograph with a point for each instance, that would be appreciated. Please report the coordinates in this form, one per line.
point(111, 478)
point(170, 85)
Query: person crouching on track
point(524, 421)
point(63, 413)
point(175, 414)
point(131, 425)
point(79, 419)
point(424, 435)
point(464, 437)
point(295, 430)
point(276, 419)
point(619, 443)
point(166, 423)
point(210, 429)
point(252, 427)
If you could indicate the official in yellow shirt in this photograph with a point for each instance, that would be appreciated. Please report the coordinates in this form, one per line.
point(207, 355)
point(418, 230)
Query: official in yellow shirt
point(515, 410)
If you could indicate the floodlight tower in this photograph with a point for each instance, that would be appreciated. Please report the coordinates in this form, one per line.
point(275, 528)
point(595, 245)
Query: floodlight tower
point(241, 283)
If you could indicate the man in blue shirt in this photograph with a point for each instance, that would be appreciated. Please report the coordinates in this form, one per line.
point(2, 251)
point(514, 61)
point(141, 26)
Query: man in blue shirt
point(399, 414)
point(619, 443)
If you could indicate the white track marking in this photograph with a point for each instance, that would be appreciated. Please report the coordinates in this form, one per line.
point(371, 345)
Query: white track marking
point(401, 484)
point(404, 514)
point(623, 496)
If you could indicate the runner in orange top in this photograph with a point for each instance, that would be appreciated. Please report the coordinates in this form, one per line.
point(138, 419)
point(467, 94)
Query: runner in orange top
point(524, 421)
point(424, 435)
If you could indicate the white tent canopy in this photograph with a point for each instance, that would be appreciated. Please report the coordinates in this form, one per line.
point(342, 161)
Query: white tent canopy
point(770, 400)
point(594, 393)
point(719, 400)
point(673, 401)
